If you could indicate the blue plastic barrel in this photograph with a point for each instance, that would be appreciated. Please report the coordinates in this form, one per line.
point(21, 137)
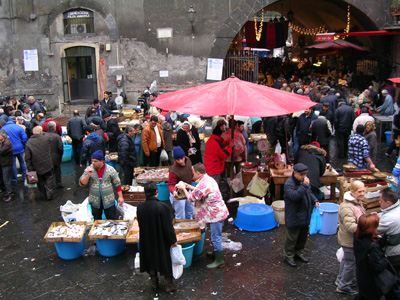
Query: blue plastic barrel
point(388, 136)
point(329, 218)
point(163, 192)
point(110, 248)
point(67, 155)
point(199, 245)
point(68, 251)
point(187, 250)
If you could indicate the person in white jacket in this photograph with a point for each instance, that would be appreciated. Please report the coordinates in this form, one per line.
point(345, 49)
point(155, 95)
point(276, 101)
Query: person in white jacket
point(363, 118)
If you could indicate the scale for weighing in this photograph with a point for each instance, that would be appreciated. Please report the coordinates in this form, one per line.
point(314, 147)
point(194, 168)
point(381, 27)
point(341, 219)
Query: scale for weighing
point(263, 146)
point(119, 101)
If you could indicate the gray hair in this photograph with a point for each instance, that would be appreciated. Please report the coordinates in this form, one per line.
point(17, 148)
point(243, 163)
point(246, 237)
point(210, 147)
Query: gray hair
point(128, 128)
point(161, 118)
point(51, 126)
point(3, 133)
point(31, 98)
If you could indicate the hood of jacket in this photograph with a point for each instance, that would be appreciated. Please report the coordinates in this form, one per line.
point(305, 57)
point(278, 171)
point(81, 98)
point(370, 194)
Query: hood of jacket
point(313, 148)
point(347, 196)
point(93, 136)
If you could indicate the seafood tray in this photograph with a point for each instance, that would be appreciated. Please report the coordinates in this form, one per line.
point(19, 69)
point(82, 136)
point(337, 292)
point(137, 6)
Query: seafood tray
point(109, 230)
point(155, 175)
point(133, 234)
point(113, 156)
point(62, 232)
point(187, 231)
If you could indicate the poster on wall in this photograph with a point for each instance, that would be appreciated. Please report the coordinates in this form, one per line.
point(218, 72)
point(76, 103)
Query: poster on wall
point(31, 60)
point(214, 68)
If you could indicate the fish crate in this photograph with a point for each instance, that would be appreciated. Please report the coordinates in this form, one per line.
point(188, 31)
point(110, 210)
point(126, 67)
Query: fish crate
point(133, 233)
point(107, 237)
point(356, 173)
point(370, 203)
point(191, 233)
point(48, 239)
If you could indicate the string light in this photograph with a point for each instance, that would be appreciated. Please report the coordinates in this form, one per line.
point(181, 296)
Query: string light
point(347, 29)
point(308, 31)
point(259, 31)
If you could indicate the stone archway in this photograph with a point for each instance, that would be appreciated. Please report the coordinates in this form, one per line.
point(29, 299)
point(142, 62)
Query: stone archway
point(375, 13)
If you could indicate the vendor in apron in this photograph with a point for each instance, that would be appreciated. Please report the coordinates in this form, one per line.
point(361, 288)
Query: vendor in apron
point(181, 170)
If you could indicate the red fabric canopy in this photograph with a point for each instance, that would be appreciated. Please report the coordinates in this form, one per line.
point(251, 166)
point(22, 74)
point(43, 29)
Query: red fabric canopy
point(368, 33)
point(395, 80)
point(233, 97)
point(338, 44)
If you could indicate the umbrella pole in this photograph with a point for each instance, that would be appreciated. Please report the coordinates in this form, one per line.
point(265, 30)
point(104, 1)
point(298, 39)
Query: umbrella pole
point(231, 167)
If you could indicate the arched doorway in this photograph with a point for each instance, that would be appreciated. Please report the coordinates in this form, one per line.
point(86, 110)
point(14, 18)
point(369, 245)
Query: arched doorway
point(79, 73)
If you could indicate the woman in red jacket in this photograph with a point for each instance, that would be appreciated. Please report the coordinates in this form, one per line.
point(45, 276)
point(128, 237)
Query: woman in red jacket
point(217, 151)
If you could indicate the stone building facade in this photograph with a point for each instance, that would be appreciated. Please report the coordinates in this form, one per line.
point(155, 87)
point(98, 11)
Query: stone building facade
point(135, 38)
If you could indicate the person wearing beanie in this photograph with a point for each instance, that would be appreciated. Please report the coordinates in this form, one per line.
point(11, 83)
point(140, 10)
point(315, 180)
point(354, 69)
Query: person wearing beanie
point(359, 150)
point(103, 182)
point(153, 142)
point(181, 170)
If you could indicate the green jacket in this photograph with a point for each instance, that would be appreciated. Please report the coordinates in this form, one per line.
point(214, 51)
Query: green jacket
point(103, 190)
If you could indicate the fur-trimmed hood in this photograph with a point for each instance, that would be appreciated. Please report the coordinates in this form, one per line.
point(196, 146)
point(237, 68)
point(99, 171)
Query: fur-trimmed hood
point(306, 147)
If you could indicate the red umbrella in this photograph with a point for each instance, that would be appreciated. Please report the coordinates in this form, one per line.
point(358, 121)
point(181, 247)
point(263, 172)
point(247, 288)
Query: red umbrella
point(395, 80)
point(338, 44)
point(233, 97)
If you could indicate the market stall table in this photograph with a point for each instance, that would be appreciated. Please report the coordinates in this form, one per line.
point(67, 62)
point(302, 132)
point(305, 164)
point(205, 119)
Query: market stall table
point(278, 177)
point(380, 122)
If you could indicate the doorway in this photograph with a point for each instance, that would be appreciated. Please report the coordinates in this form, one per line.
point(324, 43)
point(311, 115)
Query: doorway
point(79, 74)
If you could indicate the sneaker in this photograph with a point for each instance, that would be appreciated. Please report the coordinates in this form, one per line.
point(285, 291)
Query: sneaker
point(352, 285)
point(347, 292)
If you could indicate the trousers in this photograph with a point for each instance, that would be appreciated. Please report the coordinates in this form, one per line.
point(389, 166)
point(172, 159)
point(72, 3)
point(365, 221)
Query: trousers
point(216, 235)
point(347, 270)
point(295, 241)
point(183, 208)
point(45, 184)
point(342, 143)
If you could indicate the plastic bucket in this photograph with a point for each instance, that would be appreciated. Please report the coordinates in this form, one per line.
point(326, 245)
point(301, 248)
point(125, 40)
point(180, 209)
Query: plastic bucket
point(329, 218)
point(187, 250)
point(111, 163)
point(251, 147)
point(255, 217)
point(110, 247)
point(67, 155)
point(163, 192)
point(199, 245)
point(68, 251)
point(279, 211)
point(388, 136)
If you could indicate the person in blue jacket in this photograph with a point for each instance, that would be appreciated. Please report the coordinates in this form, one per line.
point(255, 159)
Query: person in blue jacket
point(18, 140)
point(299, 202)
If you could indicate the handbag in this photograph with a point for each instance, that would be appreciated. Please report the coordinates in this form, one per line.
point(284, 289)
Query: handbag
point(31, 177)
point(386, 280)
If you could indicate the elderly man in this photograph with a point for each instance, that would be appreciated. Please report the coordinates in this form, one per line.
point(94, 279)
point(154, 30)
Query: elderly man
point(49, 118)
point(38, 158)
point(102, 180)
point(299, 202)
point(210, 209)
point(6, 163)
point(387, 108)
point(27, 113)
point(157, 236)
point(35, 106)
point(181, 170)
point(57, 150)
point(152, 142)
point(76, 131)
point(361, 98)
point(127, 157)
point(359, 150)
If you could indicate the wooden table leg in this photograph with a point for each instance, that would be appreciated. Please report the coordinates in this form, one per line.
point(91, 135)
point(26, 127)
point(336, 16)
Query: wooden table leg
point(277, 191)
point(333, 194)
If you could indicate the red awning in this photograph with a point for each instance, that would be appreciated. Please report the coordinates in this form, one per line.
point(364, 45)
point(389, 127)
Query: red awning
point(339, 44)
point(369, 33)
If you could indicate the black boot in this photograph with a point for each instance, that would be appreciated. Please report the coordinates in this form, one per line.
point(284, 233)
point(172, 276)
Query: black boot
point(169, 285)
point(154, 282)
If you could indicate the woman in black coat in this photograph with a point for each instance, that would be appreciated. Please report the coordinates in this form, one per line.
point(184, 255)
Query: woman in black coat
point(370, 259)
point(188, 139)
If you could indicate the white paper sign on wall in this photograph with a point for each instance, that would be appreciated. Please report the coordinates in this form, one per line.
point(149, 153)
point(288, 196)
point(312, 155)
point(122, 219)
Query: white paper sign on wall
point(31, 60)
point(214, 68)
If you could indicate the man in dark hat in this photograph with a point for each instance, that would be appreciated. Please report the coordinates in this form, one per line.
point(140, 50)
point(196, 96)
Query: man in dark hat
point(157, 236)
point(359, 150)
point(299, 202)
point(102, 180)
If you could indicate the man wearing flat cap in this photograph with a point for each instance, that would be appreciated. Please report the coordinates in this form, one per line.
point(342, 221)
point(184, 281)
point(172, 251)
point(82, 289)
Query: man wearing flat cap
point(102, 180)
point(299, 202)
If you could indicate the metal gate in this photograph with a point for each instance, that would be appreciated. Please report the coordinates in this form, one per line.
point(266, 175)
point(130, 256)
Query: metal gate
point(243, 64)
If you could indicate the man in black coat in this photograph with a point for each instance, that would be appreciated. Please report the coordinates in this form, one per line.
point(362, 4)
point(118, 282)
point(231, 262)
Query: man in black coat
point(108, 103)
point(157, 236)
point(299, 202)
point(113, 131)
point(91, 144)
point(76, 131)
point(344, 118)
point(57, 151)
point(321, 131)
point(99, 109)
point(331, 98)
point(127, 154)
point(303, 126)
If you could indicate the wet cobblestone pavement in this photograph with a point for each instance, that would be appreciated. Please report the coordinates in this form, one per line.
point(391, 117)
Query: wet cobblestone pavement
point(31, 269)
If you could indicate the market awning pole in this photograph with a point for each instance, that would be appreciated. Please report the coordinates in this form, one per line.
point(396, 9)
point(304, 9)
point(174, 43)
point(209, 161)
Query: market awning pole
point(231, 167)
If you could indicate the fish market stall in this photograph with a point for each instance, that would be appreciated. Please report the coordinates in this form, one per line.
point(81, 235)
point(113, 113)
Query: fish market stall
point(68, 237)
point(110, 236)
point(147, 174)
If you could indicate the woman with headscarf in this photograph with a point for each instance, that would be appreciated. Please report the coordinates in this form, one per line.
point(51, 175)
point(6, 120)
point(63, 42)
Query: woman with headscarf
point(347, 227)
point(188, 139)
point(217, 151)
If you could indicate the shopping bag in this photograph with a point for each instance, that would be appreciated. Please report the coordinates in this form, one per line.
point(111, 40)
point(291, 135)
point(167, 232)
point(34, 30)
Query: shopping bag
point(177, 257)
point(258, 187)
point(31, 177)
point(315, 223)
point(80, 212)
point(278, 148)
point(339, 254)
point(163, 155)
point(237, 183)
point(177, 271)
point(127, 211)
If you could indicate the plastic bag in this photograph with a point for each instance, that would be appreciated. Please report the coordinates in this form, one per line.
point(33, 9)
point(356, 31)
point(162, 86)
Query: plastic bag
point(258, 187)
point(237, 183)
point(278, 148)
point(163, 155)
point(315, 223)
point(127, 211)
point(339, 254)
point(76, 212)
point(177, 257)
point(177, 271)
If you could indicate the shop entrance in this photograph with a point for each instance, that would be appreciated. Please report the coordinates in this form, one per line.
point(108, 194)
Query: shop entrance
point(79, 74)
